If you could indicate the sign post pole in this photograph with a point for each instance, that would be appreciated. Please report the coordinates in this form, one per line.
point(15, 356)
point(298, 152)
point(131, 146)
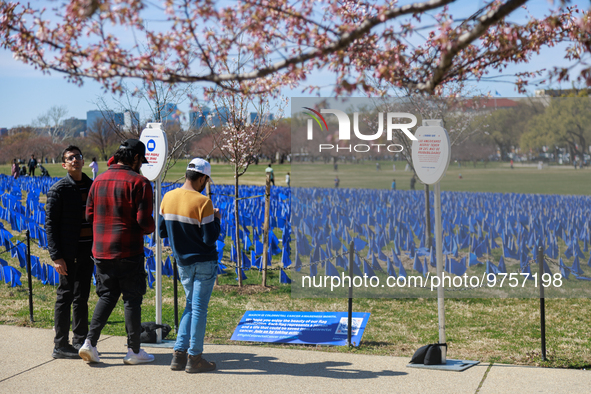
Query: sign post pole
point(430, 155)
point(350, 316)
point(439, 259)
point(158, 260)
point(542, 303)
point(154, 138)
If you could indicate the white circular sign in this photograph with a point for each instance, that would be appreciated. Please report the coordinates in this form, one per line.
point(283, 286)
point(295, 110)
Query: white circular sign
point(154, 138)
point(431, 153)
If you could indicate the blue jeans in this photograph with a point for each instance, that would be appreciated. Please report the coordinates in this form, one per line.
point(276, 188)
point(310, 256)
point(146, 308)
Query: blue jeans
point(198, 280)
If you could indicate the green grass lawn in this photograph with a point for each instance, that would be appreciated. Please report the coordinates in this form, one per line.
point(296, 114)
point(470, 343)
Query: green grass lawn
point(496, 177)
point(489, 330)
point(221, 173)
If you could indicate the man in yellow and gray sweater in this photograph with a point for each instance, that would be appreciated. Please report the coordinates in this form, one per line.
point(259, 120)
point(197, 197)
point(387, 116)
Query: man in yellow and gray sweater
point(192, 226)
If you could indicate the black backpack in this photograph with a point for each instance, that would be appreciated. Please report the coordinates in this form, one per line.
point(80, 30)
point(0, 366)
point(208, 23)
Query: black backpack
point(428, 354)
point(149, 334)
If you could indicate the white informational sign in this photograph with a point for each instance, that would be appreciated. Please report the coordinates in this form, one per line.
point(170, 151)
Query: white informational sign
point(154, 138)
point(156, 150)
point(431, 153)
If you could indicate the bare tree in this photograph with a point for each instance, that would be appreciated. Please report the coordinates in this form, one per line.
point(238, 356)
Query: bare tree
point(51, 123)
point(278, 143)
point(24, 141)
point(103, 136)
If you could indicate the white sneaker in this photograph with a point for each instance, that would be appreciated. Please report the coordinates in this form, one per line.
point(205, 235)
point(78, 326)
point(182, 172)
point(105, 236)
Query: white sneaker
point(89, 353)
point(137, 358)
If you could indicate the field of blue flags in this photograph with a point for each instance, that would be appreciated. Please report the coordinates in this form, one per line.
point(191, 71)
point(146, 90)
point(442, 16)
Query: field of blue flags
point(484, 234)
point(31, 216)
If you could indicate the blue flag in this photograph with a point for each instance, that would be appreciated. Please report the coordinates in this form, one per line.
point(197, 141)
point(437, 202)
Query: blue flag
point(12, 276)
point(368, 271)
point(564, 271)
point(330, 270)
point(390, 268)
point(359, 244)
point(417, 265)
point(284, 278)
point(243, 274)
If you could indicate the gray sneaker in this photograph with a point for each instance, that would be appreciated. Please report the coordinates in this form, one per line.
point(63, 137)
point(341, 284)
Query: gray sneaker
point(89, 353)
point(137, 358)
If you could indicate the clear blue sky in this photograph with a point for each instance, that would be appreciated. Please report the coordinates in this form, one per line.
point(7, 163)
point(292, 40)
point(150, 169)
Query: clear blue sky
point(26, 93)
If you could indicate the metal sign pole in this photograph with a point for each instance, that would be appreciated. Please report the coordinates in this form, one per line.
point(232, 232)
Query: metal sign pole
point(154, 138)
point(542, 303)
point(431, 153)
point(30, 280)
point(158, 260)
point(175, 278)
point(350, 314)
point(439, 257)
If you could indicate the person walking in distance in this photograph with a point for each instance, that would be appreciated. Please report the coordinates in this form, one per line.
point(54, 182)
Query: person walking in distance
point(119, 208)
point(94, 166)
point(15, 169)
point(413, 181)
point(192, 225)
point(69, 239)
point(269, 171)
point(32, 165)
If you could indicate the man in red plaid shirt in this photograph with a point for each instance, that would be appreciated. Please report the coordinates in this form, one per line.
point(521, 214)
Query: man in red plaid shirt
point(119, 208)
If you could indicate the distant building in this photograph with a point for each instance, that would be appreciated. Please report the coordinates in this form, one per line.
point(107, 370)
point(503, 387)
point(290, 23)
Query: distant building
point(495, 103)
point(222, 116)
point(482, 106)
point(76, 126)
point(92, 117)
point(3, 131)
point(254, 118)
point(131, 120)
point(198, 119)
point(112, 117)
point(561, 92)
point(206, 116)
point(169, 113)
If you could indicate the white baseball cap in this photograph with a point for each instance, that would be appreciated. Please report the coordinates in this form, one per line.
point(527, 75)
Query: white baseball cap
point(200, 165)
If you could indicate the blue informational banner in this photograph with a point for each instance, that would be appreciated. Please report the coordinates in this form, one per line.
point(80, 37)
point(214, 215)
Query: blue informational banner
point(321, 328)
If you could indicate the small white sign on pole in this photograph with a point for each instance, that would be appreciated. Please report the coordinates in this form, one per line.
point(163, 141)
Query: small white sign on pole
point(431, 153)
point(430, 156)
point(154, 138)
point(156, 150)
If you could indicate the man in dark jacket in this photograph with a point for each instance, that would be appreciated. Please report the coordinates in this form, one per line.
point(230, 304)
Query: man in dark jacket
point(32, 165)
point(69, 238)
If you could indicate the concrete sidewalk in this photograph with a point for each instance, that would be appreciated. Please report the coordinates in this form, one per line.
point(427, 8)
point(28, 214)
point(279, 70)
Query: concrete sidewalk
point(26, 366)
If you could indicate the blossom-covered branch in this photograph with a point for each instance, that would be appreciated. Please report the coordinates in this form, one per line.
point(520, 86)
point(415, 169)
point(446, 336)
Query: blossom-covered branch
point(185, 41)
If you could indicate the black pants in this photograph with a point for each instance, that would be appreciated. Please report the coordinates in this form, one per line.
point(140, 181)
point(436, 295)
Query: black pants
point(113, 278)
point(72, 293)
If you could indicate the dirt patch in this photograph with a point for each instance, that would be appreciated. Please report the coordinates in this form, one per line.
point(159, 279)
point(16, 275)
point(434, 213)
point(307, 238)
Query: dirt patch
point(245, 289)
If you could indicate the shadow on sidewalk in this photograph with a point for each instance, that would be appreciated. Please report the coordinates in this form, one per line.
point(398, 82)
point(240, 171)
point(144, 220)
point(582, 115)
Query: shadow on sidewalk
point(252, 364)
